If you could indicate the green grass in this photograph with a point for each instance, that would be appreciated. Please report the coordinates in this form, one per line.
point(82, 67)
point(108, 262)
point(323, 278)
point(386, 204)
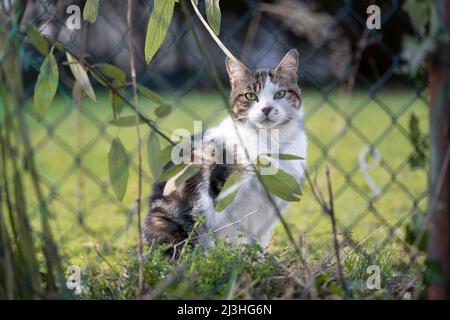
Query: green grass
point(104, 240)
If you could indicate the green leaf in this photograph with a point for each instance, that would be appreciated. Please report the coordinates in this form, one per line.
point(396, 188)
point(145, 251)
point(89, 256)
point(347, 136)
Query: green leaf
point(414, 129)
point(112, 72)
point(282, 185)
point(433, 272)
point(96, 77)
point(416, 51)
point(90, 11)
point(81, 76)
point(180, 177)
point(127, 121)
point(149, 94)
point(37, 39)
point(118, 167)
point(213, 14)
point(154, 155)
point(188, 172)
point(46, 86)
point(116, 101)
point(412, 231)
point(59, 45)
point(418, 157)
point(158, 25)
point(225, 198)
point(172, 171)
point(419, 13)
point(163, 110)
point(284, 156)
point(166, 154)
point(77, 93)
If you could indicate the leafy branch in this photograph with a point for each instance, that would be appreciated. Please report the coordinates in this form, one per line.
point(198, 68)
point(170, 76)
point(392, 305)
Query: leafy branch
point(101, 73)
point(282, 184)
point(430, 32)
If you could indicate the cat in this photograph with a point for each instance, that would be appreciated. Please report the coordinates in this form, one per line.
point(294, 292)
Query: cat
point(264, 100)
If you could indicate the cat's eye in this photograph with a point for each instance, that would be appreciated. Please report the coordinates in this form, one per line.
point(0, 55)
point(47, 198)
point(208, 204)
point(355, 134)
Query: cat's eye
point(280, 94)
point(251, 96)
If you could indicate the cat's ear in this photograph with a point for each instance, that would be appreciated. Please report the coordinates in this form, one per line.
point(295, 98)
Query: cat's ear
point(236, 71)
point(288, 66)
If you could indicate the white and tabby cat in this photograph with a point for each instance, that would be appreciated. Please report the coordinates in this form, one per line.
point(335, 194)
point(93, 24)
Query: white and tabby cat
point(265, 99)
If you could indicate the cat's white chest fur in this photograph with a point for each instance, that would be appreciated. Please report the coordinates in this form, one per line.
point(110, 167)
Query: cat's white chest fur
point(251, 216)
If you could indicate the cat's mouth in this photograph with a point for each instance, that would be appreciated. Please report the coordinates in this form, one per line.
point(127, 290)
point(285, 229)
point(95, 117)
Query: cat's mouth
point(267, 123)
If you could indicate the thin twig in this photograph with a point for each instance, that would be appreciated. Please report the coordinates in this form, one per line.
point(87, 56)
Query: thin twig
point(97, 250)
point(131, 105)
point(318, 197)
point(362, 45)
point(335, 234)
point(79, 140)
point(139, 142)
point(211, 32)
point(329, 209)
point(364, 240)
point(146, 120)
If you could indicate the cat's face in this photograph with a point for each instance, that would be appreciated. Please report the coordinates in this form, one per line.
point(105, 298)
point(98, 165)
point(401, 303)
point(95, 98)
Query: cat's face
point(267, 98)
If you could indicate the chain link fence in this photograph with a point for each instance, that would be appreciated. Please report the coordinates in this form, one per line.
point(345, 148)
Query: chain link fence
point(361, 113)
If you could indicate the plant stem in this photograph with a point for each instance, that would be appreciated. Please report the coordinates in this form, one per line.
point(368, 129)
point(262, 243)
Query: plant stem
point(335, 234)
point(138, 132)
point(211, 32)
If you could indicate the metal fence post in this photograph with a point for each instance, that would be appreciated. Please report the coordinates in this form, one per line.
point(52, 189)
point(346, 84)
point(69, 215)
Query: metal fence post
point(439, 244)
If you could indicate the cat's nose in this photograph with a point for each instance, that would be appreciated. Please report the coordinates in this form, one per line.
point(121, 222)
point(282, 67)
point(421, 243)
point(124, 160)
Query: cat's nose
point(266, 110)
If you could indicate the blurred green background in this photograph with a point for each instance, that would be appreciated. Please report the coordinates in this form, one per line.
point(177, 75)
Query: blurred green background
point(87, 213)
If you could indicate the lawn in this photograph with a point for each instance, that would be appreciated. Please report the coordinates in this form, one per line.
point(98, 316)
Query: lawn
point(97, 232)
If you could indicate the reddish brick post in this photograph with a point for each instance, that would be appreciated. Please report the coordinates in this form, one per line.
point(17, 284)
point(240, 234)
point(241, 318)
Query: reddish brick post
point(439, 240)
